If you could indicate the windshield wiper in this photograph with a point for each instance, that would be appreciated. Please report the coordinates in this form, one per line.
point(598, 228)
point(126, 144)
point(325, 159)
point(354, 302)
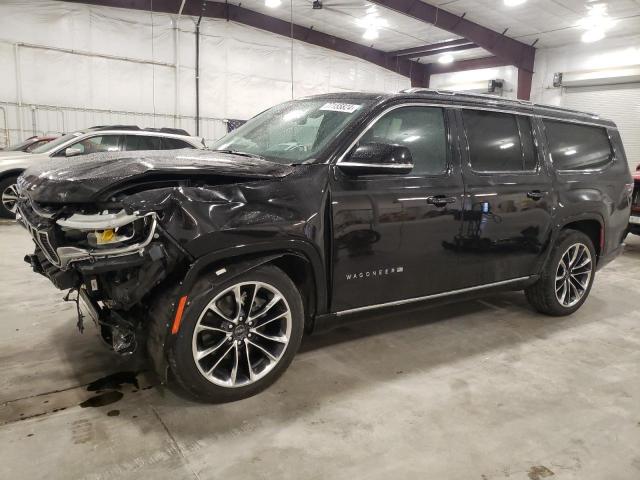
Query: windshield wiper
point(242, 154)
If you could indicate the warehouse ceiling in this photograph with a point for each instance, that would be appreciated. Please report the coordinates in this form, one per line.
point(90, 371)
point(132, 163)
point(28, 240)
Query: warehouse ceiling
point(548, 23)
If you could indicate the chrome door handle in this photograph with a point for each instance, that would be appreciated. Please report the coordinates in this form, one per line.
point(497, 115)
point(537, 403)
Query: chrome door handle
point(440, 201)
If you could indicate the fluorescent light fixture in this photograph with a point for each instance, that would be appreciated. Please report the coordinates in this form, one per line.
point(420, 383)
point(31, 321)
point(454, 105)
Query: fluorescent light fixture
point(446, 58)
point(507, 145)
point(570, 151)
point(513, 3)
point(272, 3)
point(370, 34)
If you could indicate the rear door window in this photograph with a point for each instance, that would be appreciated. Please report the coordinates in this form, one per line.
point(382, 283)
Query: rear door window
point(174, 144)
point(142, 142)
point(499, 142)
point(577, 147)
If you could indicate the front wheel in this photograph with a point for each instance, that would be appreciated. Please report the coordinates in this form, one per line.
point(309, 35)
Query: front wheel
point(568, 276)
point(239, 337)
point(9, 191)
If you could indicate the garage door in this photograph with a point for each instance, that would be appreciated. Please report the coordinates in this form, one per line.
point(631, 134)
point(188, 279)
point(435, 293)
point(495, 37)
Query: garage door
point(620, 103)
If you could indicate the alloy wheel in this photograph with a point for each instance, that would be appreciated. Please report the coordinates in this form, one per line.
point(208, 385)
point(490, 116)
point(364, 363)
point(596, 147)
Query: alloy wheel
point(10, 197)
point(242, 334)
point(573, 274)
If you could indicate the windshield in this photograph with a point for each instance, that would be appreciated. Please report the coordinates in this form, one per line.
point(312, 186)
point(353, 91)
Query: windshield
point(53, 144)
point(293, 132)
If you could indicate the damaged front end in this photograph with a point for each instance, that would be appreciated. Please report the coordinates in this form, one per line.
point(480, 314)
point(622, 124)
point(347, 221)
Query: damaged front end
point(111, 259)
point(121, 233)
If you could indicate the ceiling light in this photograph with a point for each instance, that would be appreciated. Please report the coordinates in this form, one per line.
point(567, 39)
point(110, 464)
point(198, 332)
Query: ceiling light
point(513, 3)
point(272, 3)
point(370, 34)
point(371, 20)
point(593, 35)
point(446, 58)
point(596, 23)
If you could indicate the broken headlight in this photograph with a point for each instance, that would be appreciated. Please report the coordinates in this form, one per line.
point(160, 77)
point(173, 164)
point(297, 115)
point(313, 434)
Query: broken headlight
point(106, 230)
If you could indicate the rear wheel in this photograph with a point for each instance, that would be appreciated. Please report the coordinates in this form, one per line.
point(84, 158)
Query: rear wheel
point(9, 193)
point(568, 276)
point(239, 337)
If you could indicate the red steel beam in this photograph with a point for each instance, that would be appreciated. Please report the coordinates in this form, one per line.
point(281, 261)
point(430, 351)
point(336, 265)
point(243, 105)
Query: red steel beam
point(438, 51)
point(431, 47)
point(462, 65)
point(413, 70)
point(524, 84)
point(509, 50)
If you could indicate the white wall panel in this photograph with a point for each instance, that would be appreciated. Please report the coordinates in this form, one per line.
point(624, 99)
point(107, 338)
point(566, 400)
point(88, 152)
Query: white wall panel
point(243, 70)
point(608, 53)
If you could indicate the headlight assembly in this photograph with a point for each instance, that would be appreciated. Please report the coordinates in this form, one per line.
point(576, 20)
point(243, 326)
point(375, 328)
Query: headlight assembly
point(104, 234)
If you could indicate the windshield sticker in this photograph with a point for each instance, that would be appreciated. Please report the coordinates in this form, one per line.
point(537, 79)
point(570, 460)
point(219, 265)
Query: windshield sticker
point(340, 107)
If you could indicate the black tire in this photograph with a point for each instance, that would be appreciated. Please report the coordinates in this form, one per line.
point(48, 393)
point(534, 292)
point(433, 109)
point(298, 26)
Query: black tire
point(181, 357)
point(542, 295)
point(4, 185)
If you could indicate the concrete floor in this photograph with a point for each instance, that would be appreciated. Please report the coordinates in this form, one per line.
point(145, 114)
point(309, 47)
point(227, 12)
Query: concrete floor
point(483, 389)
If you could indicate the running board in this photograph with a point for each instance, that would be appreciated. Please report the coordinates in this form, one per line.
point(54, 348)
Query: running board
point(431, 297)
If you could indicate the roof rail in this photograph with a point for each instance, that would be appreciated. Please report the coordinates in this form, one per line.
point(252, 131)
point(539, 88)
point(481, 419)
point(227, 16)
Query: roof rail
point(485, 96)
point(595, 116)
point(175, 131)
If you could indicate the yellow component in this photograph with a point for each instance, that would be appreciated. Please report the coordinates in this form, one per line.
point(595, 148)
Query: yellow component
point(106, 236)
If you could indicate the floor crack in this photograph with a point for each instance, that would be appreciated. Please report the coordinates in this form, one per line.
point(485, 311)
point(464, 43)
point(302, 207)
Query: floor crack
point(175, 443)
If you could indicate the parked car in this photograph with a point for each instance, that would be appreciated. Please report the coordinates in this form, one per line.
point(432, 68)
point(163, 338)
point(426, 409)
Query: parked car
point(322, 210)
point(112, 138)
point(29, 144)
point(634, 219)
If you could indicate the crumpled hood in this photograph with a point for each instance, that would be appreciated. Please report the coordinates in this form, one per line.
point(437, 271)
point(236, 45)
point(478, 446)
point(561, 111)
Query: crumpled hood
point(89, 177)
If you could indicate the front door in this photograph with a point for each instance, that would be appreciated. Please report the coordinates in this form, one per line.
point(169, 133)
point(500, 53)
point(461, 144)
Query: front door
point(392, 233)
point(507, 219)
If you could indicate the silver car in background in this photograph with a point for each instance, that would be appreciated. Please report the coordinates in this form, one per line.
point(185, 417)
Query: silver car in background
point(112, 138)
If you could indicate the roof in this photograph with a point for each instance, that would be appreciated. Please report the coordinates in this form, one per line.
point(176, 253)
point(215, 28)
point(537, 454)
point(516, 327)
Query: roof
point(477, 100)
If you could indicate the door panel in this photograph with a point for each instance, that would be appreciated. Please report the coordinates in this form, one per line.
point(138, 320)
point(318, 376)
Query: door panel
point(507, 218)
point(390, 240)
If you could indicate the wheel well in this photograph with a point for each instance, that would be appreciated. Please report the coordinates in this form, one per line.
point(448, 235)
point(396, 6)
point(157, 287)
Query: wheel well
point(591, 228)
point(300, 272)
point(10, 173)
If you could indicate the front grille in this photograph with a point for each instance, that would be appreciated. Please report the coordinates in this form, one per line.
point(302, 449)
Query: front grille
point(41, 237)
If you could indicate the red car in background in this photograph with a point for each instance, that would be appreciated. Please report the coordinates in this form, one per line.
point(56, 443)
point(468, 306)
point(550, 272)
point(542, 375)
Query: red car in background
point(31, 143)
point(634, 220)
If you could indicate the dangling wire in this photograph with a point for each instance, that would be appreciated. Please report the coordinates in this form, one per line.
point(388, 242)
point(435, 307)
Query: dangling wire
point(76, 300)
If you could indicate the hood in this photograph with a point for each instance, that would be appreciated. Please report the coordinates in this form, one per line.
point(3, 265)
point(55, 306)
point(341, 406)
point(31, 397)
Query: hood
point(22, 160)
point(95, 177)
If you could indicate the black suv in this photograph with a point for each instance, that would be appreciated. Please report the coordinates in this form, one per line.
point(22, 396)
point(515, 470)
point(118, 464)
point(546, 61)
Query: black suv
point(320, 209)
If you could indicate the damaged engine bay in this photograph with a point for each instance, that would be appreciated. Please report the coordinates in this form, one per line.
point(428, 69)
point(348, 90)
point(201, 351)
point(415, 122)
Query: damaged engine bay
point(123, 229)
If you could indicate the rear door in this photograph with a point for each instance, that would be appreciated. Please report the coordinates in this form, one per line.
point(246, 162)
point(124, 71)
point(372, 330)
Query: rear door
point(507, 219)
point(392, 232)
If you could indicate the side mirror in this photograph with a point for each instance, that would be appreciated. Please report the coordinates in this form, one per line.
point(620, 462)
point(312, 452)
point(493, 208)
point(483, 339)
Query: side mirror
point(378, 158)
point(73, 151)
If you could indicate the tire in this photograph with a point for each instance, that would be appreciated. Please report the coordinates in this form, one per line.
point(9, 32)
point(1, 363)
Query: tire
point(202, 330)
point(556, 292)
point(5, 190)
